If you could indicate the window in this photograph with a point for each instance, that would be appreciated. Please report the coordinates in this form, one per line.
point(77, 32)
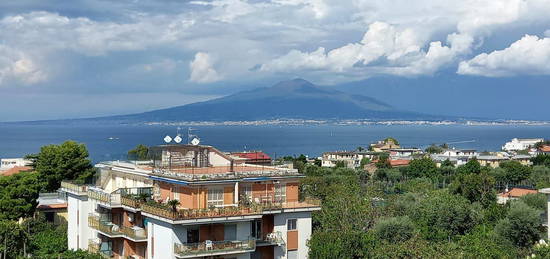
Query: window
point(256, 229)
point(215, 197)
point(292, 254)
point(280, 192)
point(291, 224)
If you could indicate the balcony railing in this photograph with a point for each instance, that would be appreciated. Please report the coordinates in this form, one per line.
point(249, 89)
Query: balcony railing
point(214, 247)
point(73, 187)
point(251, 208)
point(94, 246)
point(111, 229)
point(130, 201)
point(111, 199)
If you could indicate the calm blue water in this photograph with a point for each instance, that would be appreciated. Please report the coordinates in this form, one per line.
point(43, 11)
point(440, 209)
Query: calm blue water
point(19, 140)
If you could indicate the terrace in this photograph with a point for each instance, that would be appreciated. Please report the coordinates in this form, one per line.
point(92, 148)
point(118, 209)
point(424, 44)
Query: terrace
point(250, 209)
point(129, 197)
point(213, 248)
point(73, 187)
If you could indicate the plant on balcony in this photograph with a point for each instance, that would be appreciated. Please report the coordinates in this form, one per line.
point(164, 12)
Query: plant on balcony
point(174, 204)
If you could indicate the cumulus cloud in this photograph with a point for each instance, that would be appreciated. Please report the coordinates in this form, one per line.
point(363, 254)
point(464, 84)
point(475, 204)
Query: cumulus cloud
point(202, 70)
point(18, 68)
point(528, 56)
point(391, 50)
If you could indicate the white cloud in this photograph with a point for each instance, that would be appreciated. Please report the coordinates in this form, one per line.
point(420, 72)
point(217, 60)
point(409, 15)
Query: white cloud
point(528, 56)
point(18, 68)
point(383, 49)
point(202, 70)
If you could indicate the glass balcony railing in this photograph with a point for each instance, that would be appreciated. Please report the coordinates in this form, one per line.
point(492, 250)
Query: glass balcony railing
point(111, 229)
point(214, 248)
point(131, 197)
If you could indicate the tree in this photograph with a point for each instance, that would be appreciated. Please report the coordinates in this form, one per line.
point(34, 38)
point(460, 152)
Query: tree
point(364, 161)
point(515, 172)
point(360, 149)
point(482, 242)
point(535, 200)
point(442, 215)
point(540, 176)
point(433, 149)
point(471, 166)
point(18, 194)
point(68, 161)
point(174, 204)
point(140, 152)
point(423, 167)
point(388, 139)
point(395, 229)
point(383, 161)
point(541, 159)
point(520, 226)
point(475, 187)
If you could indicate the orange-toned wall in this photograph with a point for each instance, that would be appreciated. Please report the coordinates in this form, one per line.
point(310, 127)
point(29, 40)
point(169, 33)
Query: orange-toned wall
point(165, 190)
point(292, 240)
point(291, 192)
point(186, 197)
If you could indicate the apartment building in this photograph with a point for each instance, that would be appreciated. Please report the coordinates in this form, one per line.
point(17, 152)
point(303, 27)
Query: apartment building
point(190, 202)
point(352, 159)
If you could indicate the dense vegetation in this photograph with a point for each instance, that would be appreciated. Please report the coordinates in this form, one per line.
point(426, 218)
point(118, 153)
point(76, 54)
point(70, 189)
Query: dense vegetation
point(25, 234)
point(425, 211)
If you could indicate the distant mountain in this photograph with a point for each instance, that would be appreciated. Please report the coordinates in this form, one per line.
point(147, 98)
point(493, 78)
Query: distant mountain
point(293, 99)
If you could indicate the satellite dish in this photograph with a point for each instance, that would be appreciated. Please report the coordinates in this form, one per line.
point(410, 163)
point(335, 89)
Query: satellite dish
point(167, 139)
point(195, 141)
point(178, 139)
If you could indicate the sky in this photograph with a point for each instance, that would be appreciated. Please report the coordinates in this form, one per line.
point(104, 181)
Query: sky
point(79, 58)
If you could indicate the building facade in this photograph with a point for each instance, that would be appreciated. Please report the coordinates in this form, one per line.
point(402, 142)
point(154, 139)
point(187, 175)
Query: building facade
point(190, 202)
point(517, 144)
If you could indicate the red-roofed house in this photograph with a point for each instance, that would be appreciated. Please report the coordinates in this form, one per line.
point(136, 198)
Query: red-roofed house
point(15, 170)
point(254, 157)
point(371, 167)
point(544, 149)
point(513, 194)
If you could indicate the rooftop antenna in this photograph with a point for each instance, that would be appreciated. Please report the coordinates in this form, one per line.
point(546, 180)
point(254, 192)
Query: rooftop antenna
point(192, 139)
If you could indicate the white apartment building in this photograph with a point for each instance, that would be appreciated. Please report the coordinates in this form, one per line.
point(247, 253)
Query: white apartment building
point(517, 144)
point(224, 208)
point(8, 163)
point(454, 153)
point(352, 159)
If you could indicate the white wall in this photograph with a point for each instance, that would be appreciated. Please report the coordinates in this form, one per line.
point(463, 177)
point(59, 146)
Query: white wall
point(216, 160)
point(304, 232)
point(163, 242)
point(78, 232)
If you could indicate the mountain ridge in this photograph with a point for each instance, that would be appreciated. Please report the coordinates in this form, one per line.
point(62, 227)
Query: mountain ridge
point(292, 99)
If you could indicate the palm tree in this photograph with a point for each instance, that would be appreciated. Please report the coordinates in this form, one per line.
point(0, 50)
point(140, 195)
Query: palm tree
point(174, 204)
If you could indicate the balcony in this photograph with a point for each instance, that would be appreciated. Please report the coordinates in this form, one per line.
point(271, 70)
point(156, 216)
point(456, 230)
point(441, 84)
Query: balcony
point(112, 230)
point(97, 247)
point(130, 197)
point(72, 187)
point(251, 208)
point(213, 248)
point(109, 199)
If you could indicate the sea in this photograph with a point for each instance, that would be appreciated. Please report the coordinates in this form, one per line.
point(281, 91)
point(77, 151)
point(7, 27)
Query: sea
point(111, 142)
